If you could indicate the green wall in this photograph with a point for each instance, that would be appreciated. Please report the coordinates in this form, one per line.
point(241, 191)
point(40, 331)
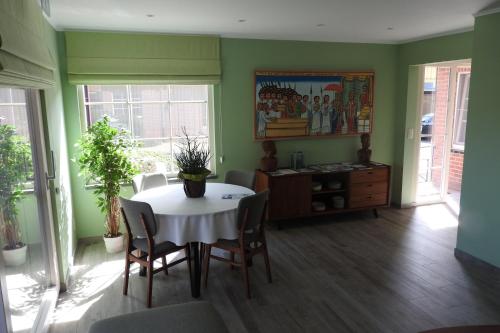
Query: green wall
point(241, 57)
point(479, 227)
point(439, 49)
point(395, 112)
point(89, 221)
point(234, 105)
point(52, 104)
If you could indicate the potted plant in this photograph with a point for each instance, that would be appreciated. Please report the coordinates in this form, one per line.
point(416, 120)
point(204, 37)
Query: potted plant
point(104, 160)
point(15, 153)
point(192, 161)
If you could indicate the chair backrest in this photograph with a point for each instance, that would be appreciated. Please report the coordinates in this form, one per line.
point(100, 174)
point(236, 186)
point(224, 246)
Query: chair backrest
point(241, 178)
point(251, 212)
point(145, 181)
point(133, 211)
point(137, 183)
point(152, 180)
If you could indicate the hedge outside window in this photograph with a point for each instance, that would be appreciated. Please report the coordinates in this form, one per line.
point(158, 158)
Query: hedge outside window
point(154, 115)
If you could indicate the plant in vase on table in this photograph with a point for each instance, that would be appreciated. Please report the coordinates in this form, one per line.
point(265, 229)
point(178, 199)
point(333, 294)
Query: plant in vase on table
point(104, 160)
point(15, 155)
point(192, 161)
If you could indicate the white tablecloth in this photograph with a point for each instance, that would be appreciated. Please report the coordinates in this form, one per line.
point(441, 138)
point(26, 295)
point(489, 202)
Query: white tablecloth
point(181, 219)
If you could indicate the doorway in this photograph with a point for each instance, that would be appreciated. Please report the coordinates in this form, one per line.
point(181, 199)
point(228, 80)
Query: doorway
point(28, 267)
point(443, 120)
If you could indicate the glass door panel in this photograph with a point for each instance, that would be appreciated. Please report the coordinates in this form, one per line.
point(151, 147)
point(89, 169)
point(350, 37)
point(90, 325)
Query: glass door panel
point(433, 134)
point(24, 266)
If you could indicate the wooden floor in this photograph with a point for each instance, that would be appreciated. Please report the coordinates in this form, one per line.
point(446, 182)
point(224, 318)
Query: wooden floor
point(349, 273)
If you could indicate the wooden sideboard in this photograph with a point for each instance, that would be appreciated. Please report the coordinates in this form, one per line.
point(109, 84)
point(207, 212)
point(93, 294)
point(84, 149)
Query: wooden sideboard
point(291, 195)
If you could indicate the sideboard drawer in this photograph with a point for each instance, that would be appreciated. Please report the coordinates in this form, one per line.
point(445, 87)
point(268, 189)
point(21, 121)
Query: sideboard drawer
point(368, 200)
point(368, 188)
point(370, 175)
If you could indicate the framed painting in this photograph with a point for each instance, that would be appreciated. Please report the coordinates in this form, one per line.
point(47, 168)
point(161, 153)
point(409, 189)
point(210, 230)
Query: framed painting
point(312, 104)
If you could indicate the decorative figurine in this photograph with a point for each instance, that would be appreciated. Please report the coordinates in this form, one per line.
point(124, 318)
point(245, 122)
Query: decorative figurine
point(365, 153)
point(269, 162)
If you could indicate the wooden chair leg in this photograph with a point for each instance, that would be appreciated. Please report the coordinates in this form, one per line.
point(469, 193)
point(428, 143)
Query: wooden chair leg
point(164, 264)
point(244, 270)
point(150, 282)
point(142, 269)
point(206, 262)
point(127, 272)
point(232, 260)
point(268, 266)
point(188, 255)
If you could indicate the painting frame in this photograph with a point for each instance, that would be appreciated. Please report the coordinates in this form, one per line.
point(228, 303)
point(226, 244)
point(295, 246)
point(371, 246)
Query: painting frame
point(283, 112)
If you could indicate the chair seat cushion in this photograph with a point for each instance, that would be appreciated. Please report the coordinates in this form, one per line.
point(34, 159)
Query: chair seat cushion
point(228, 242)
point(183, 318)
point(249, 238)
point(163, 247)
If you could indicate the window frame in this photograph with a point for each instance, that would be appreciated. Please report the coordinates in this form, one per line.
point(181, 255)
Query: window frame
point(458, 123)
point(84, 120)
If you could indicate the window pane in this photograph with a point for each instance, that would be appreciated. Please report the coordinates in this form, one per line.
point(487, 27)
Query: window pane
point(155, 114)
point(192, 116)
point(462, 104)
point(18, 96)
point(188, 93)
point(12, 95)
point(16, 116)
point(151, 120)
point(118, 114)
point(154, 156)
point(5, 96)
point(97, 94)
point(149, 93)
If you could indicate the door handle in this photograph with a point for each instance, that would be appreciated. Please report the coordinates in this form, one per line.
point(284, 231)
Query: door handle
point(52, 175)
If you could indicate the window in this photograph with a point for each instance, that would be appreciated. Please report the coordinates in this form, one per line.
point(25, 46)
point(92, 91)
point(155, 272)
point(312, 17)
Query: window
point(154, 115)
point(461, 106)
point(13, 110)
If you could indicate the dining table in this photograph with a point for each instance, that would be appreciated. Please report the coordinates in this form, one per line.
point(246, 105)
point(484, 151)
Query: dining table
point(195, 221)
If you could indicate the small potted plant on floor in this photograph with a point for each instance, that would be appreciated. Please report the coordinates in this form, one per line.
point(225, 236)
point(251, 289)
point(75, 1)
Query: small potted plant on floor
point(192, 161)
point(104, 160)
point(15, 153)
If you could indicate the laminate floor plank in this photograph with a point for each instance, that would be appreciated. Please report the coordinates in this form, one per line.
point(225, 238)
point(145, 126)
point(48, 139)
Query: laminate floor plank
point(346, 273)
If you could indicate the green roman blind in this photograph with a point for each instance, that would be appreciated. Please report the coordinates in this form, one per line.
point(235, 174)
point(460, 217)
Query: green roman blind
point(25, 59)
point(129, 58)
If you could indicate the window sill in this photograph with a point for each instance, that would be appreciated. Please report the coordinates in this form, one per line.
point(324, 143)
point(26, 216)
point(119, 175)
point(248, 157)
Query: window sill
point(171, 180)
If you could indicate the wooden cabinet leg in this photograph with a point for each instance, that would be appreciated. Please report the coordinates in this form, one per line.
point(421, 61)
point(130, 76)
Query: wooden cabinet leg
point(375, 213)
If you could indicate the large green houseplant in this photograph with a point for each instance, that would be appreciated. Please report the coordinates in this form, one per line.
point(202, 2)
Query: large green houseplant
point(192, 160)
point(15, 155)
point(104, 161)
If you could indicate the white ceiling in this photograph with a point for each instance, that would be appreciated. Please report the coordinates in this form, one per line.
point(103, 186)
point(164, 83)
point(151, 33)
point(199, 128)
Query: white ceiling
point(341, 20)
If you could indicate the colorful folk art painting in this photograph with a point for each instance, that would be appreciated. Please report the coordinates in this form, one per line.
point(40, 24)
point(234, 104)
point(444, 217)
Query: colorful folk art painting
point(312, 104)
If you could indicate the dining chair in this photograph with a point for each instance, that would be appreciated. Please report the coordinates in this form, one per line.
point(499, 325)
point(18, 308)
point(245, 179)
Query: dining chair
point(251, 241)
point(141, 247)
point(241, 178)
point(152, 180)
point(146, 181)
point(137, 183)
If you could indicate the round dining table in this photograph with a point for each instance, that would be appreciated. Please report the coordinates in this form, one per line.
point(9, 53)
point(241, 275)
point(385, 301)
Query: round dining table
point(183, 220)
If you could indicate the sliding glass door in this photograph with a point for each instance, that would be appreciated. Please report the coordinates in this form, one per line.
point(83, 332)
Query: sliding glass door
point(27, 266)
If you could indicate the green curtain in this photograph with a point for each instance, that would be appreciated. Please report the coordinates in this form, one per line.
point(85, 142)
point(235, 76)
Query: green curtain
point(119, 58)
point(25, 59)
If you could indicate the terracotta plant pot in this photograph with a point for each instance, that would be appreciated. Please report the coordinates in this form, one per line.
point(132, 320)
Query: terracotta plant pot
point(113, 244)
point(194, 188)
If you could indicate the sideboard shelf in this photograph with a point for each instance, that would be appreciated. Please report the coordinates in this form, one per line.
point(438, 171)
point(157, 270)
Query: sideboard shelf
point(328, 192)
point(291, 195)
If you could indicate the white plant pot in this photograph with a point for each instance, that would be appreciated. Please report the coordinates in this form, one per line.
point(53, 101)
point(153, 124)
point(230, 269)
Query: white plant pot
point(15, 257)
point(114, 245)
